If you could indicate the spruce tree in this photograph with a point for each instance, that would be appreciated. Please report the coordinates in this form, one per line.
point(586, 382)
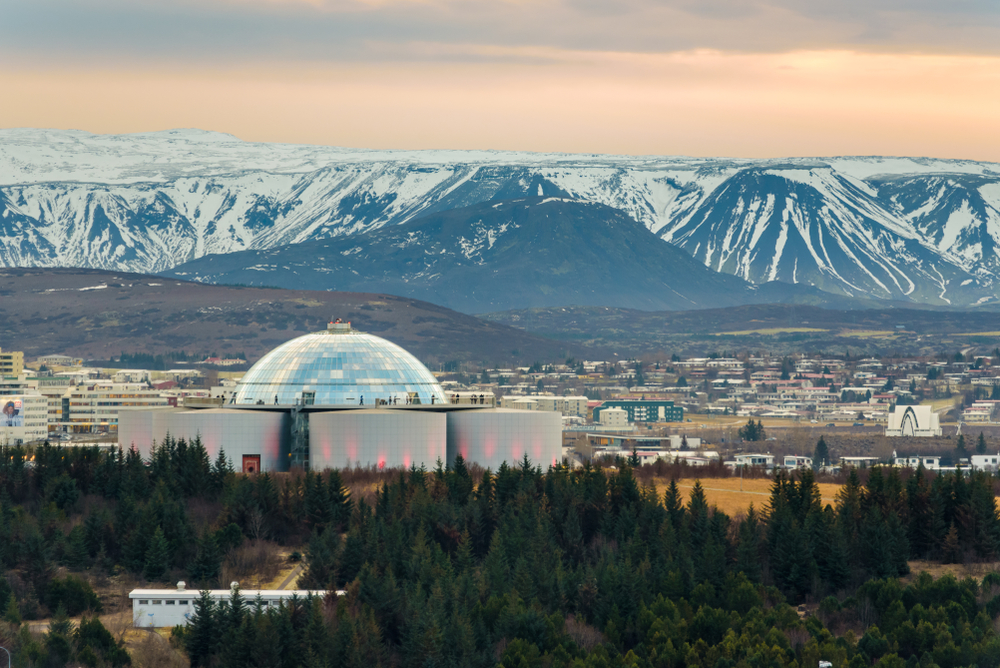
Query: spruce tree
point(981, 444)
point(821, 456)
point(960, 451)
point(201, 637)
point(157, 556)
point(208, 562)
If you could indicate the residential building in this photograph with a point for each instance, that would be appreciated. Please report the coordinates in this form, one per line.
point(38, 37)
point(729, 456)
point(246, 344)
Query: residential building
point(796, 462)
point(643, 410)
point(929, 462)
point(612, 418)
point(985, 462)
point(94, 407)
point(11, 363)
point(755, 459)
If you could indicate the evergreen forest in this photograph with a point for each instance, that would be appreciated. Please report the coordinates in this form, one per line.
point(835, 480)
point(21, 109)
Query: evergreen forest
point(520, 567)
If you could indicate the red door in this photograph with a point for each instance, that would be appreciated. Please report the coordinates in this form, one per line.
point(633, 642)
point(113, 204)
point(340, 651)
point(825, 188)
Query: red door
point(251, 463)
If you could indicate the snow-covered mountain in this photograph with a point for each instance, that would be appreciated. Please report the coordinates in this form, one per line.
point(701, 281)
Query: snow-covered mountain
point(923, 230)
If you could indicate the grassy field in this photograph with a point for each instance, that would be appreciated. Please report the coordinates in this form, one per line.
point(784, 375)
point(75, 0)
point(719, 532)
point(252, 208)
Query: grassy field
point(869, 333)
point(725, 494)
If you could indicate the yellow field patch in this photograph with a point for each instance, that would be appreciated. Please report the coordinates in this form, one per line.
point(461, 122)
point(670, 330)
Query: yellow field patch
point(311, 303)
point(978, 334)
point(868, 333)
point(726, 493)
point(773, 330)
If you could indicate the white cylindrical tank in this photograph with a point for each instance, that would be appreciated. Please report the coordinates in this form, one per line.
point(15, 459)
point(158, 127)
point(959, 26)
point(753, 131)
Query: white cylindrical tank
point(380, 437)
point(253, 440)
point(490, 437)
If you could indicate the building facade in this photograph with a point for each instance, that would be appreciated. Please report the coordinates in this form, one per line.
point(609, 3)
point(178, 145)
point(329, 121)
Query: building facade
point(919, 421)
point(253, 440)
point(167, 608)
point(643, 411)
point(490, 437)
point(11, 363)
point(383, 438)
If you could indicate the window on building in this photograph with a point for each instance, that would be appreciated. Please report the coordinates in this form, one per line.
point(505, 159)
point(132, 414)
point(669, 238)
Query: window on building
point(182, 602)
point(143, 601)
point(157, 602)
point(171, 603)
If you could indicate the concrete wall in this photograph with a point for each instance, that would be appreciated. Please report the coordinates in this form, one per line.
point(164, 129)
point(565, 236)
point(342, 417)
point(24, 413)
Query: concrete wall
point(492, 436)
point(384, 438)
point(239, 433)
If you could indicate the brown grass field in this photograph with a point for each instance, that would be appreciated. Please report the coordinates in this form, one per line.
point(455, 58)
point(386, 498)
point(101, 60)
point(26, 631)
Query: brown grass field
point(725, 494)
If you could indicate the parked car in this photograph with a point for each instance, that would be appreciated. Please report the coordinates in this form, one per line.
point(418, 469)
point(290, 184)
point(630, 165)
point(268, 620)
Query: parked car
point(859, 424)
point(830, 424)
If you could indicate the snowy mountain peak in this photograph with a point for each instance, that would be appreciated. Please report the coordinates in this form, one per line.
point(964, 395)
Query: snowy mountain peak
point(895, 228)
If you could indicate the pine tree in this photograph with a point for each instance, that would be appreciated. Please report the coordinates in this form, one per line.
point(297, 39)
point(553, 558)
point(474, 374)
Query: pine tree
point(208, 562)
point(960, 451)
point(748, 549)
point(981, 444)
point(674, 505)
point(951, 547)
point(157, 556)
point(821, 456)
point(201, 636)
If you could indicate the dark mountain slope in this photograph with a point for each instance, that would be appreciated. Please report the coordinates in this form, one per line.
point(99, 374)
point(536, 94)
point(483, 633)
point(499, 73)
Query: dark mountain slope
point(493, 256)
point(95, 314)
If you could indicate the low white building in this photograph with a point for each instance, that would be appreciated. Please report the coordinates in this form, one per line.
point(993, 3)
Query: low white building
point(678, 440)
point(796, 462)
point(919, 421)
point(985, 462)
point(131, 376)
point(858, 462)
point(929, 462)
point(754, 459)
point(167, 608)
point(614, 418)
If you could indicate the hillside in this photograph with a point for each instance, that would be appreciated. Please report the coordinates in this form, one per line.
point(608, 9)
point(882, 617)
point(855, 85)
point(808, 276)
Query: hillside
point(97, 314)
point(493, 256)
point(779, 328)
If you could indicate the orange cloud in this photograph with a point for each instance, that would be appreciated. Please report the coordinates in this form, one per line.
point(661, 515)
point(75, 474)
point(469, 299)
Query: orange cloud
point(541, 99)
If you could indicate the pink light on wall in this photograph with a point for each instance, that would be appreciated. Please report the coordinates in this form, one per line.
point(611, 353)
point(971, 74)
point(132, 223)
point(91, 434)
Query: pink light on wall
point(536, 451)
point(516, 450)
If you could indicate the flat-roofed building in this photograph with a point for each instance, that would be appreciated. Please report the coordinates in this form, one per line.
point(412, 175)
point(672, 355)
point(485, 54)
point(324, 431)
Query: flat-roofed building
point(11, 363)
point(94, 406)
point(755, 459)
point(643, 411)
point(167, 608)
point(23, 418)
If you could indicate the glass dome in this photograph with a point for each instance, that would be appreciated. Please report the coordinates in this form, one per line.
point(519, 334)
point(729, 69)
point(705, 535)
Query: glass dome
point(338, 367)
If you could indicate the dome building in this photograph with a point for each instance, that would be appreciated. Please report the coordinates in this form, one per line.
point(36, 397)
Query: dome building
point(344, 398)
point(338, 367)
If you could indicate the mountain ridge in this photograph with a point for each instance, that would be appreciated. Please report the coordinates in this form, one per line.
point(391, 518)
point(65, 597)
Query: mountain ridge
point(152, 201)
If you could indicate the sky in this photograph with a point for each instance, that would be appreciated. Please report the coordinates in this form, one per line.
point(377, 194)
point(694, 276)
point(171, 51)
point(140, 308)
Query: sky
point(743, 78)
